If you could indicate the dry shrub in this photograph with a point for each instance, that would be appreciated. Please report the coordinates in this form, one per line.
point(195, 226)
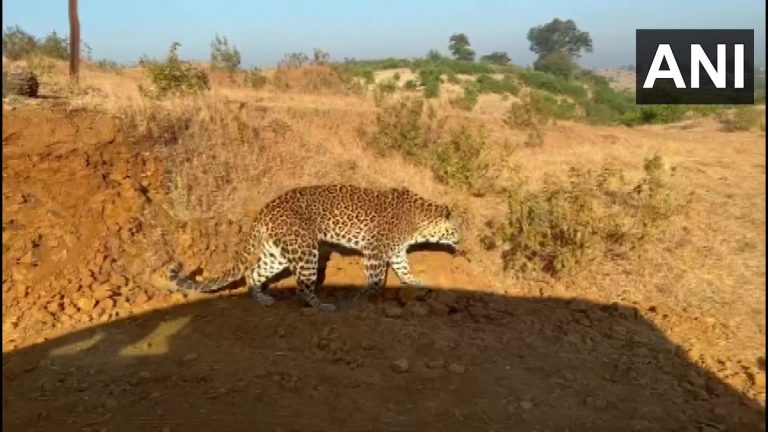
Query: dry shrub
point(565, 225)
point(255, 78)
point(528, 116)
point(739, 119)
point(213, 157)
point(322, 79)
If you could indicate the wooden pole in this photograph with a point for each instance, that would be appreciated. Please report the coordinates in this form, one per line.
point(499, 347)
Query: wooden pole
point(74, 42)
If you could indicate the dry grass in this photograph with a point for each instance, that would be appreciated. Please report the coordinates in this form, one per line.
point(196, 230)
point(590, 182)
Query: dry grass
point(244, 146)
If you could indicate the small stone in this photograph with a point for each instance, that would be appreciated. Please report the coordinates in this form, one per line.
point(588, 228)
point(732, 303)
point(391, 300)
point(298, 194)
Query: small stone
point(53, 307)
point(592, 402)
point(86, 304)
point(280, 332)
point(141, 298)
point(445, 297)
point(10, 325)
point(639, 425)
point(102, 292)
point(189, 357)
point(438, 308)
point(582, 319)
point(696, 380)
point(418, 310)
point(628, 312)
point(118, 281)
point(393, 311)
point(86, 280)
point(435, 364)
point(710, 426)
point(107, 304)
point(526, 405)
point(457, 368)
point(400, 366)
point(110, 403)
point(477, 310)
point(758, 379)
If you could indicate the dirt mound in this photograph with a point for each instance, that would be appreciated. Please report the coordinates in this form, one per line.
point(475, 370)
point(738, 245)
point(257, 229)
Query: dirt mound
point(309, 78)
point(71, 195)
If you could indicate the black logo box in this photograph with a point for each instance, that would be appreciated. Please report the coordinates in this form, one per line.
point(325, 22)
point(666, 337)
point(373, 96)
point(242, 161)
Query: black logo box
point(680, 41)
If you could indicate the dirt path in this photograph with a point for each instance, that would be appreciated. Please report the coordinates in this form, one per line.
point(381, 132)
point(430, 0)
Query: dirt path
point(92, 341)
point(456, 361)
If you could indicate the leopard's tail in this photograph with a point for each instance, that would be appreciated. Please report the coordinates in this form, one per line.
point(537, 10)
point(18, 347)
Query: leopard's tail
point(186, 283)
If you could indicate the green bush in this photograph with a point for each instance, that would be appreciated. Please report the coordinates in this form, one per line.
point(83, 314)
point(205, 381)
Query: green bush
point(399, 128)
point(223, 56)
point(454, 157)
point(367, 75)
point(54, 46)
point(468, 99)
point(174, 77)
point(410, 85)
point(488, 84)
point(496, 57)
point(553, 84)
point(17, 43)
point(609, 106)
point(255, 78)
point(649, 114)
point(563, 226)
point(546, 106)
point(430, 80)
point(384, 89)
point(556, 63)
point(457, 160)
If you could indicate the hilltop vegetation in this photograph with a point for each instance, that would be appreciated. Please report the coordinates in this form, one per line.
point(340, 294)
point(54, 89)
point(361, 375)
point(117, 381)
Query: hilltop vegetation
point(415, 98)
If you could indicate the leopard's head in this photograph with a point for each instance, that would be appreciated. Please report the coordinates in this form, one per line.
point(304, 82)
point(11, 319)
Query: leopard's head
point(438, 225)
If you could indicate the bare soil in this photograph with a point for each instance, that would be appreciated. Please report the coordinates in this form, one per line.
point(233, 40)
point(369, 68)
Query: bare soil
point(94, 340)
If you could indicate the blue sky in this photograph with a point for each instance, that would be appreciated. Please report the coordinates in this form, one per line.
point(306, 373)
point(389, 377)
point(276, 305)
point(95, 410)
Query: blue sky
point(263, 31)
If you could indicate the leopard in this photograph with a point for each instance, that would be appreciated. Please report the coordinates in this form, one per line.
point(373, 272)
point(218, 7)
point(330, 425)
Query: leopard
point(381, 224)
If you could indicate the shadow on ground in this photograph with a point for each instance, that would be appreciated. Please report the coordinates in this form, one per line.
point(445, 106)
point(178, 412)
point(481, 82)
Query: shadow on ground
point(449, 361)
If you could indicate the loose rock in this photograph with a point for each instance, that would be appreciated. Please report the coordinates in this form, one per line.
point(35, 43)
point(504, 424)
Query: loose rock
point(393, 312)
point(400, 366)
point(435, 364)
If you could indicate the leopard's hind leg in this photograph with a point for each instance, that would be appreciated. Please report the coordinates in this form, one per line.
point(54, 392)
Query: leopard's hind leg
point(375, 265)
point(303, 263)
point(270, 263)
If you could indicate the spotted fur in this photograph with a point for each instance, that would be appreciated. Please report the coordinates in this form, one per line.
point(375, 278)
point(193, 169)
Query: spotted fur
point(381, 224)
